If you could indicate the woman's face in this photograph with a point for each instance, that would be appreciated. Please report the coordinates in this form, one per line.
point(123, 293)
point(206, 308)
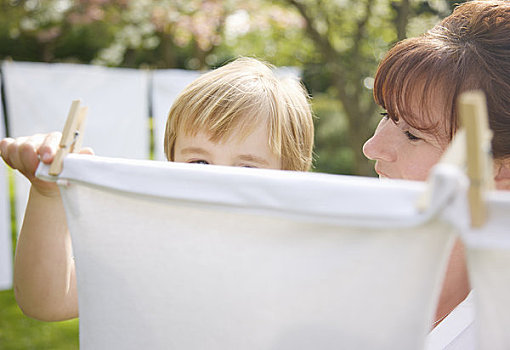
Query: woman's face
point(502, 173)
point(402, 152)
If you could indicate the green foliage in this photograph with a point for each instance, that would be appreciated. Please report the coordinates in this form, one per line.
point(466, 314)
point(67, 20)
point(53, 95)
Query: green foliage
point(82, 43)
point(332, 152)
point(269, 32)
point(18, 332)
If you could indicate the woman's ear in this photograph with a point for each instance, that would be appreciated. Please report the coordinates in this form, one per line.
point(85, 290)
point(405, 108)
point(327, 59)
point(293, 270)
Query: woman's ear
point(502, 174)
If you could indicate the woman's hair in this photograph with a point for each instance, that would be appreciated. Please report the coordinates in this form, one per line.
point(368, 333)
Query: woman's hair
point(470, 49)
point(234, 99)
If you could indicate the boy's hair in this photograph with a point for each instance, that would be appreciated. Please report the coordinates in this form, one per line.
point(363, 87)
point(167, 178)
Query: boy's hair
point(235, 99)
point(470, 49)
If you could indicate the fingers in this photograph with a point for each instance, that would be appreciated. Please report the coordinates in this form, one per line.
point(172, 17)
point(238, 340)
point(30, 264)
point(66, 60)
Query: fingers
point(48, 147)
point(25, 157)
point(9, 148)
point(4, 145)
point(87, 150)
point(23, 153)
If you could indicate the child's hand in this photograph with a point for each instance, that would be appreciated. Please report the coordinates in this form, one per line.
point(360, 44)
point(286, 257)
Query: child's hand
point(24, 154)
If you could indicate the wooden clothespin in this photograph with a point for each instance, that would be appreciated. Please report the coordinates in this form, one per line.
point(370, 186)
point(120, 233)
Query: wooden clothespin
point(473, 114)
point(72, 136)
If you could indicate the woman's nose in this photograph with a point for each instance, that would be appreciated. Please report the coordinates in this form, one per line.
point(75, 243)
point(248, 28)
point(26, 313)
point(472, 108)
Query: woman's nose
point(381, 145)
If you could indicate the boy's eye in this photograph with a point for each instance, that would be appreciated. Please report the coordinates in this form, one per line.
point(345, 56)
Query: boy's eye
point(199, 161)
point(384, 115)
point(411, 137)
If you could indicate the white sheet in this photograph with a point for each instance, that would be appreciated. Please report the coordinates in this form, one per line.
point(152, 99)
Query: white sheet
point(39, 96)
point(167, 84)
point(488, 251)
point(5, 220)
point(456, 331)
point(185, 256)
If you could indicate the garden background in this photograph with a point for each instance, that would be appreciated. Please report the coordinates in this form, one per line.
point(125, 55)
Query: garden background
point(336, 44)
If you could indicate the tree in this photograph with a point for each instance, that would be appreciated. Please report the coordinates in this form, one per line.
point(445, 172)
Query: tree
point(350, 38)
point(336, 43)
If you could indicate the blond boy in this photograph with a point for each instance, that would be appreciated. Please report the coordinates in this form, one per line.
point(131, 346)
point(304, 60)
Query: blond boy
point(238, 115)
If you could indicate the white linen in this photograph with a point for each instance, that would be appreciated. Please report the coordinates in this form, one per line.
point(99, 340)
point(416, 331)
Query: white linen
point(456, 331)
point(488, 253)
point(39, 96)
point(167, 84)
point(5, 219)
point(186, 256)
point(482, 320)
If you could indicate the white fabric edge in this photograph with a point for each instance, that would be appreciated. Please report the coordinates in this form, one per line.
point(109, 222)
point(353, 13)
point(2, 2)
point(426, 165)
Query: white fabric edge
point(173, 180)
point(495, 236)
point(453, 325)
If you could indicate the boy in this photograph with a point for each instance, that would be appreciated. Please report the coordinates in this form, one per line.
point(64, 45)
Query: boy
point(237, 115)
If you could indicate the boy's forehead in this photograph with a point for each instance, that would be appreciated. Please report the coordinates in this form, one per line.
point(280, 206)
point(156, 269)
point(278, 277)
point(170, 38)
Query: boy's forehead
point(255, 143)
point(220, 130)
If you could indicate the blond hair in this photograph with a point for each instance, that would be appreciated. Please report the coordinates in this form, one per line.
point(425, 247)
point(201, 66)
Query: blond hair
point(238, 96)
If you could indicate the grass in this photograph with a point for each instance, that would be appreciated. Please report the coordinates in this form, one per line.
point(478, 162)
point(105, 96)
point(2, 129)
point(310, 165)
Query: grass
point(19, 332)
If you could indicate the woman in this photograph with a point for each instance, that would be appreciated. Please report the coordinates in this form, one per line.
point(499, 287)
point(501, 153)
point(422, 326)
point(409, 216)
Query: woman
point(418, 83)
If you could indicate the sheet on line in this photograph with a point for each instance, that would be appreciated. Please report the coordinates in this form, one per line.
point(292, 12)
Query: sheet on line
point(39, 96)
point(187, 256)
point(5, 219)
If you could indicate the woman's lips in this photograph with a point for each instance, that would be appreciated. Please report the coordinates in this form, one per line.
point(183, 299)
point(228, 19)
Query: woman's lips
point(380, 173)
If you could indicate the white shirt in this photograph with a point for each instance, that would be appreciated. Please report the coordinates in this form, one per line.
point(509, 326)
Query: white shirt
point(456, 331)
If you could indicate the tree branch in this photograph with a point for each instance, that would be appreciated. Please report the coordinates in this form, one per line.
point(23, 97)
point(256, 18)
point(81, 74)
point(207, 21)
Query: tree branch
point(323, 42)
point(362, 24)
point(402, 19)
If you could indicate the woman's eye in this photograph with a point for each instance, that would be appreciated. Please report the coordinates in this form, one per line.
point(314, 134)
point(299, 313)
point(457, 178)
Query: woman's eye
point(386, 116)
point(411, 137)
point(199, 161)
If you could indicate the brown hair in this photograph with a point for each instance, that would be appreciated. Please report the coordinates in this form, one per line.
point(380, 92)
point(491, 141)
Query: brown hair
point(470, 49)
point(237, 97)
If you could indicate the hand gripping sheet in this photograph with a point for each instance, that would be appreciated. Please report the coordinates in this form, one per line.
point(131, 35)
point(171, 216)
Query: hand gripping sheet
point(488, 253)
point(186, 256)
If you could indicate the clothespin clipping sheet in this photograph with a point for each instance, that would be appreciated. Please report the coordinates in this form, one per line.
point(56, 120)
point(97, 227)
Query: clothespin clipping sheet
point(473, 114)
point(72, 136)
point(487, 241)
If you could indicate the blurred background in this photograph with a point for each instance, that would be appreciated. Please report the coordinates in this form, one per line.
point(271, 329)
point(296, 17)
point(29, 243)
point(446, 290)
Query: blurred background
point(335, 44)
